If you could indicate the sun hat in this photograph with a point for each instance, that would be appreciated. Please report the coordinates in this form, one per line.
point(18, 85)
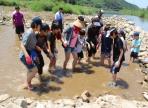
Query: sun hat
point(79, 22)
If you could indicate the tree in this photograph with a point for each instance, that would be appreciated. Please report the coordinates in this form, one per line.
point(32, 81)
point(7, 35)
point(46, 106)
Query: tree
point(70, 1)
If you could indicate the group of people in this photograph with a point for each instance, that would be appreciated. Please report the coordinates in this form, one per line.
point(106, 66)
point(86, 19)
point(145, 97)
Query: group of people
point(74, 39)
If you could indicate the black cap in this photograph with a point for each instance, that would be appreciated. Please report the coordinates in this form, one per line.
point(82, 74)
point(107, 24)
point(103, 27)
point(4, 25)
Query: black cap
point(45, 27)
point(136, 33)
point(37, 21)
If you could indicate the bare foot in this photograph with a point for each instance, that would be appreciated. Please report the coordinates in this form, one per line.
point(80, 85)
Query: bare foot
point(30, 87)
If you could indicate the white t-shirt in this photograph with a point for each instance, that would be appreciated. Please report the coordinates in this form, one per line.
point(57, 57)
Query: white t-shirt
point(80, 43)
point(124, 43)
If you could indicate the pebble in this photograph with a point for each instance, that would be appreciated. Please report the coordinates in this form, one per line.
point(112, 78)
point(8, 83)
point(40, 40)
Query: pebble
point(4, 97)
point(145, 94)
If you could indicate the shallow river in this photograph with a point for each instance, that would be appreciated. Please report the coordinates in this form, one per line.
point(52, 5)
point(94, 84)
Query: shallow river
point(91, 77)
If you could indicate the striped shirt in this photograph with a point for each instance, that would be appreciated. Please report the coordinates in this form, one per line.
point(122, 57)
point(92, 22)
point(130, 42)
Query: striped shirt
point(29, 40)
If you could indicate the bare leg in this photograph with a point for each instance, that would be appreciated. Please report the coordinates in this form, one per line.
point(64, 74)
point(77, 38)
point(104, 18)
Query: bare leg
point(20, 36)
point(93, 56)
point(67, 56)
point(102, 60)
point(109, 62)
point(54, 63)
point(79, 60)
point(114, 77)
point(88, 59)
point(130, 60)
point(30, 76)
point(75, 58)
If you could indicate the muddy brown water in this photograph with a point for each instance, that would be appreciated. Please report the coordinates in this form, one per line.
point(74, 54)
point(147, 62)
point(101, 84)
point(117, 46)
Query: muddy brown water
point(91, 77)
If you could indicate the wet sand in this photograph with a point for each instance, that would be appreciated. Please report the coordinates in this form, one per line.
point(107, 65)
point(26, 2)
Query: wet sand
point(91, 77)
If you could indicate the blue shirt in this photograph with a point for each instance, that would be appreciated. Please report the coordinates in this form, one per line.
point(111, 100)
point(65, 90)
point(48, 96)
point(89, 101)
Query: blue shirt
point(59, 16)
point(136, 43)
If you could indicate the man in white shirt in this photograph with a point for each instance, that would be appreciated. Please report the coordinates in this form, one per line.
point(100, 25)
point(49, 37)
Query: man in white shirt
point(59, 18)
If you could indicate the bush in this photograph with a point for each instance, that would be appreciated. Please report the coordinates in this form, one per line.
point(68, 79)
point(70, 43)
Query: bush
point(49, 5)
point(66, 7)
point(7, 3)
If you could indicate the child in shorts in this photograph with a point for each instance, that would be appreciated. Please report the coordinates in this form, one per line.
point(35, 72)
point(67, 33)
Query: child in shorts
point(42, 46)
point(135, 47)
point(55, 29)
point(80, 44)
point(28, 55)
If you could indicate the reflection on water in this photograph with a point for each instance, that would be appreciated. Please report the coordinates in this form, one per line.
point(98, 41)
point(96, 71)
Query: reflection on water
point(143, 23)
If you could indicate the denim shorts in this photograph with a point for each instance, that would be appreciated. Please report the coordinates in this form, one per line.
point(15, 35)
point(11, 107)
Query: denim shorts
point(23, 60)
point(69, 50)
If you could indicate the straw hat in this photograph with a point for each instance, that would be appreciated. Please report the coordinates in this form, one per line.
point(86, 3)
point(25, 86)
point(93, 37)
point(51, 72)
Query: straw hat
point(79, 23)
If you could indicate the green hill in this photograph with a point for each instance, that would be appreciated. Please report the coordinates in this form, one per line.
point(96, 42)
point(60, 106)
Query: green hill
point(79, 6)
point(49, 4)
point(105, 4)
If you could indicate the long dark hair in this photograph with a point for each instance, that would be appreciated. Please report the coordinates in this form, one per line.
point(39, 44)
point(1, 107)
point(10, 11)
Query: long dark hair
point(55, 25)
point(113, 30)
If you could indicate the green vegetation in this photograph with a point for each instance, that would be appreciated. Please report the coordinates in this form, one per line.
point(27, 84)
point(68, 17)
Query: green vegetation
point(49, 5)
point(143, 13)
point(79, 6)
point(107, 4)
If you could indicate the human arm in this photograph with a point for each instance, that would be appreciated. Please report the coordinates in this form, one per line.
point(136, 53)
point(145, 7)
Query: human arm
point(126, 45)
point(24, 50)
point(63, 41)
point(49, 53)
point(56, 17)
point(112, 53)
point(27, 57)
point(13, 20)
point(38, 48)
point(23, 20)
point(66, 37)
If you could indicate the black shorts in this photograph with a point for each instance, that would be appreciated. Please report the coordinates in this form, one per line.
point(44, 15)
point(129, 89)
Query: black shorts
point(92, 50)
point(80, 55)
point(19, 29)
point(115, 70)
point(134, 55)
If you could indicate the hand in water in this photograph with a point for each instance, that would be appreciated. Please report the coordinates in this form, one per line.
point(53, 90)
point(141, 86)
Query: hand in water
point(117, 64)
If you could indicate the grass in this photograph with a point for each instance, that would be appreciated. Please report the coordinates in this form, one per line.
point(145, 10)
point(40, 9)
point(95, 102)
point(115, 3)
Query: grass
point(143, 13)
point(49, 5)
point(53, 5)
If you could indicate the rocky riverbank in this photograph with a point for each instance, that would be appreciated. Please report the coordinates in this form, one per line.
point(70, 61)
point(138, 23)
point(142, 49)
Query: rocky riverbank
point(86, 101)
point(130, 28)
point(83, 101)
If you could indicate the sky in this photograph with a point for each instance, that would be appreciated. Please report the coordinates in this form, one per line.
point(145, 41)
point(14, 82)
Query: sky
point(140, 3)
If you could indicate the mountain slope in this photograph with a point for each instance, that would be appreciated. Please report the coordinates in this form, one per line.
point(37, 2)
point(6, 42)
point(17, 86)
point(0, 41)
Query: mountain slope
point(105, 4)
